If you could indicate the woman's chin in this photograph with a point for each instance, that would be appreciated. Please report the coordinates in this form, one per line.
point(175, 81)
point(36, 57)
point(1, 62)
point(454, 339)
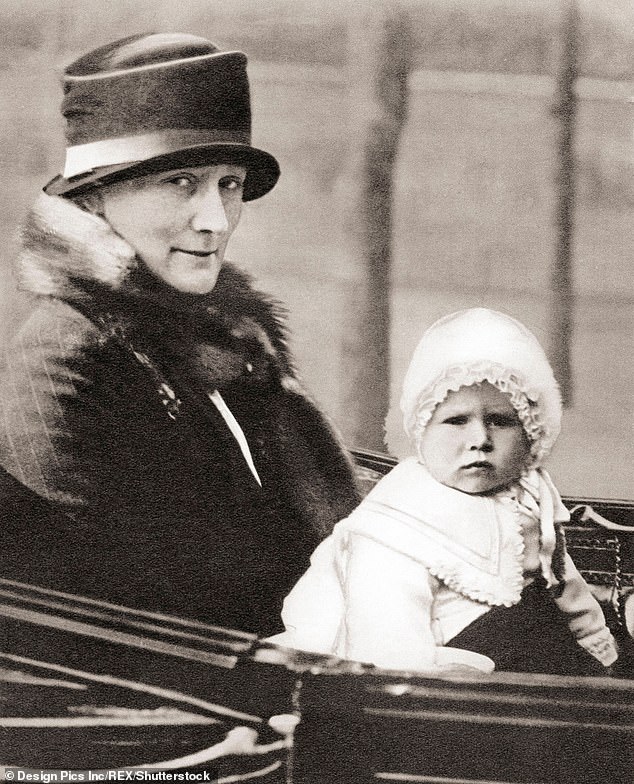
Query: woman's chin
point(198, 281)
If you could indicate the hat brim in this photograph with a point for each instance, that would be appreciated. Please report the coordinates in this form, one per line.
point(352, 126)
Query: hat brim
point(263, 170)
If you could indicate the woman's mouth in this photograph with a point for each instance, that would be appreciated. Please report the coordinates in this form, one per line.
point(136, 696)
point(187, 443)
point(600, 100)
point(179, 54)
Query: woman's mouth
point(200, 253)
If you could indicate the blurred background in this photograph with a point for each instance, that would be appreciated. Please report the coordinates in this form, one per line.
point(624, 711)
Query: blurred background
point(435, 154)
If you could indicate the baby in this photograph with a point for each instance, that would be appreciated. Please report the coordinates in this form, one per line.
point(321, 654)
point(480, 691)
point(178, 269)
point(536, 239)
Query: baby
point(458, 554)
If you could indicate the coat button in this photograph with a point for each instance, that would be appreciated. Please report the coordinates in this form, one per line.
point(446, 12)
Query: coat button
point(249, 367)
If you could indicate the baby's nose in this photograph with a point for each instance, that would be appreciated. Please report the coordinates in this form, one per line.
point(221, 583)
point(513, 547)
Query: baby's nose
point(478, 436)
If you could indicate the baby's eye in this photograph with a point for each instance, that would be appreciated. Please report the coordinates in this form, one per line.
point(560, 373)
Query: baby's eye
point(458, 419)
point(503, 420)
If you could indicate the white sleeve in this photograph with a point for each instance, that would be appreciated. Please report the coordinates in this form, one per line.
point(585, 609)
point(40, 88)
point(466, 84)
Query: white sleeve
point(388, 599)
point(585, 617)
point(313, 610)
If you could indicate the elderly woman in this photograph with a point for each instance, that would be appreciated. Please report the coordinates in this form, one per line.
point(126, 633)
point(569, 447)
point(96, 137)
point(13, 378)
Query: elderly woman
point(158, 449)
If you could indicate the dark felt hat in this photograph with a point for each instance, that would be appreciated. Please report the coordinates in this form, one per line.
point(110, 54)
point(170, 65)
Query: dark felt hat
point(150, 103)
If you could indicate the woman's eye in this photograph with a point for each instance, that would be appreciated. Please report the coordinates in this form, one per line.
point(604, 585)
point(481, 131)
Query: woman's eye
point(232, 183)
point(181, 180)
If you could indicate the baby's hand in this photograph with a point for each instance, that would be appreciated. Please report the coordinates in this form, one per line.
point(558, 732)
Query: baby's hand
point(459, 660)
point(447, 670)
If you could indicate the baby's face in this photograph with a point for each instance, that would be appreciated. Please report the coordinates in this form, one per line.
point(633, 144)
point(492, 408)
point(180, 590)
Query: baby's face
point(475, 441)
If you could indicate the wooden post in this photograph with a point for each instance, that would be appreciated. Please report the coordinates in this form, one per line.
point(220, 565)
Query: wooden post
point(562, 283)
point(379, 61)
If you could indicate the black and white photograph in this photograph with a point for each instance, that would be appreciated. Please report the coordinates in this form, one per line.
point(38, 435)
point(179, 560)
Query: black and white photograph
point(317, 391)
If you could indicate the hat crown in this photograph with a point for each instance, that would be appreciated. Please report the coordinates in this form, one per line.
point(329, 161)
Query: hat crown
point(144, 84)
point(140, 50)
point(157, 101)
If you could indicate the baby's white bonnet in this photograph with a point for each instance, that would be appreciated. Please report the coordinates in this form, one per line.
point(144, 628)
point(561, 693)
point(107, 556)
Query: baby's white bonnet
point(476, 345)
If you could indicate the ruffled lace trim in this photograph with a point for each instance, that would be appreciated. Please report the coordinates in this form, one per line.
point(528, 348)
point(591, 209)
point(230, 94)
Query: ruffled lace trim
point(461, 580)
point(524, 399)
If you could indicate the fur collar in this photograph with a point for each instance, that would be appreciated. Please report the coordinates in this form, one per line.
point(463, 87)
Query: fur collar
point(75, 256)
point(63, 245)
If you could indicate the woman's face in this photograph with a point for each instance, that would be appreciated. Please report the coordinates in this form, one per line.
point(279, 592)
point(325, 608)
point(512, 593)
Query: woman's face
point(179, 222)
point(474, 441)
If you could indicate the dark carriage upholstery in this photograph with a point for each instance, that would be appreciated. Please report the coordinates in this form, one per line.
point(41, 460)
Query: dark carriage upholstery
point(600, 539)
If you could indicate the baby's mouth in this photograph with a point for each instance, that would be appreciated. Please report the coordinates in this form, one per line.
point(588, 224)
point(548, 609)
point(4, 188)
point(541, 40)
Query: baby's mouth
point(483, 464)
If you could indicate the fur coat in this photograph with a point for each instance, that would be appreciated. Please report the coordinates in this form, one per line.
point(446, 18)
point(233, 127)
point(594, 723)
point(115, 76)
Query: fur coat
point(122, 480)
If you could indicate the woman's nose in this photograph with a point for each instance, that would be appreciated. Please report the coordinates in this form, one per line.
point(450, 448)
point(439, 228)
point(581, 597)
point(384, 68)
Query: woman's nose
point(209, 211)
point(478, 436)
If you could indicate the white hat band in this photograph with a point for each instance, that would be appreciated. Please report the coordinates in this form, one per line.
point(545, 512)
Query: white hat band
point(83, 158)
